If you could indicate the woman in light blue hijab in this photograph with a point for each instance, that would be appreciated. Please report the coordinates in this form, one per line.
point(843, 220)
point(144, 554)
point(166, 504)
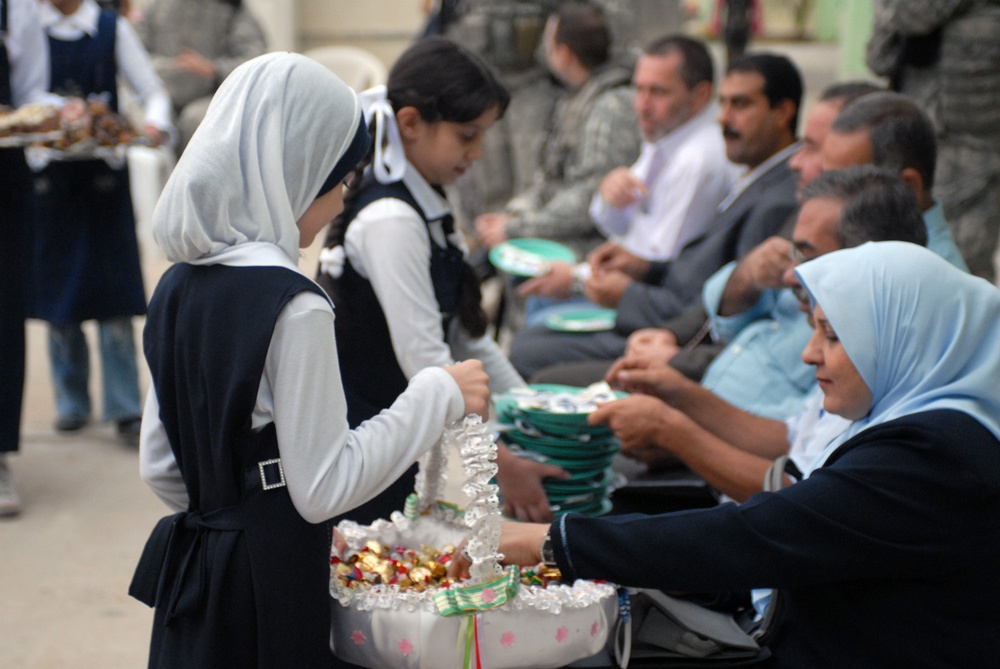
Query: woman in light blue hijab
point(921, 334)
point(887, 555)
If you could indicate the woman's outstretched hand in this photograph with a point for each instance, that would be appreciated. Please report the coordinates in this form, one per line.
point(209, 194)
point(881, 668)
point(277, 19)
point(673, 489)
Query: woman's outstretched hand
point(520, 544)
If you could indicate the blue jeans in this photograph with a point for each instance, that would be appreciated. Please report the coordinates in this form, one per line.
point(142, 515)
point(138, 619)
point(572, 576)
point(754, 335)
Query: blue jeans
point(70, 360)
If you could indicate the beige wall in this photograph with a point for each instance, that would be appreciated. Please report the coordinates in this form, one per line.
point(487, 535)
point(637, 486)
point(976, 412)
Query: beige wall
point(384, 27)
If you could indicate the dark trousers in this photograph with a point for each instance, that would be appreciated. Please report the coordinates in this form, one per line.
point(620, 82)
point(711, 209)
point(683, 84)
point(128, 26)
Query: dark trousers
point(15, 201)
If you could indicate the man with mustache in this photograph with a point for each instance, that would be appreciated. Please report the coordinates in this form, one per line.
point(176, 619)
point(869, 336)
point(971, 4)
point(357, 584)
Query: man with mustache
point(728, 446)
point(759, 101)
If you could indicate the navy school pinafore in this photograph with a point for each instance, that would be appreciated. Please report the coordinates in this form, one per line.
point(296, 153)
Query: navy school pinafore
point(15, 184)
point(85, 260)
point(240, 579)
point(371, 374)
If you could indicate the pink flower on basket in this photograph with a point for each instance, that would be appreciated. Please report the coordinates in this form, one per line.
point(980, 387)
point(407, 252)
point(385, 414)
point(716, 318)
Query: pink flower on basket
point(595, 628)
point(507, 639)
point(405, 647)
point(562, 634)
point(489, 594)
point(358, 638)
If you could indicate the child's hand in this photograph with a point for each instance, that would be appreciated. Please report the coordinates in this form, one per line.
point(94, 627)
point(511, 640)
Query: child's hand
point(474, 384)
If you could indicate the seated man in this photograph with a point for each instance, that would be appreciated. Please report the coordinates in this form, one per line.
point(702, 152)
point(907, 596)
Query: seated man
point(670, 195)
point(593, 132)
point(194, 45)
point(731, 448)
point(759, 99)
point(683, 341)
point(765, 339)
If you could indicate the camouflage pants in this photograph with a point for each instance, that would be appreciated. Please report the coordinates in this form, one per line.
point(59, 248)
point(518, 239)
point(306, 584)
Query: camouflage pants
point(968, 184)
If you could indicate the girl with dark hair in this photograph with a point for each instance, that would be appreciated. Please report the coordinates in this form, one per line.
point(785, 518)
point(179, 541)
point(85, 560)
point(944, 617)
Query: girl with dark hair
point(395, 267)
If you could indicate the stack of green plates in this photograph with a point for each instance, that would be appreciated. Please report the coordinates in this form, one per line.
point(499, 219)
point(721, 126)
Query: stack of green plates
point(550, 422)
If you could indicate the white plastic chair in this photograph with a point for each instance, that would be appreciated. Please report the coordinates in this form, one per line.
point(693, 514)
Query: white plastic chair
point(358, 68)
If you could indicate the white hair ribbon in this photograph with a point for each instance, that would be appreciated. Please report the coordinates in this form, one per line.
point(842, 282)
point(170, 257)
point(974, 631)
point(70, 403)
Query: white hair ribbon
point(331, 261)
point(390, 159)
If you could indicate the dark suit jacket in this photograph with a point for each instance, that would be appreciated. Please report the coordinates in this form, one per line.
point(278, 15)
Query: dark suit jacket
point(670, 288)
point(758, 213)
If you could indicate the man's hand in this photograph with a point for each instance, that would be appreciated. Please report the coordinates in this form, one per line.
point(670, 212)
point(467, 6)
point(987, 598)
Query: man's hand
point(195, 63)
point(640, 375)
point(557, 283)
point(620, 188)
point(635, 420)
point(611, 256)
point(643, 424)
point(520, 482)
point(606, 287)
point(656, 344)
point(490, 228)
point(761, 269)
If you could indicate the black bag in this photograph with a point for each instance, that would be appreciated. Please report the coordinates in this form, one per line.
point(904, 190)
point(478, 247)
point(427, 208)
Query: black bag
point(664, 631)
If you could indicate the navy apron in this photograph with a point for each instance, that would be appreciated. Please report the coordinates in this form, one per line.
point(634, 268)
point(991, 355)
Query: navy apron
point(368, 366)
point(85, 252)
point(15, 185)
point(240, 579)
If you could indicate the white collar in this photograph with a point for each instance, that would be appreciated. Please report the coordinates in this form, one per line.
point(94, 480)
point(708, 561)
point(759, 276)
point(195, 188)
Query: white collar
point(83, 20)
point(250, 254)
point(678, 135)
point(431, 202)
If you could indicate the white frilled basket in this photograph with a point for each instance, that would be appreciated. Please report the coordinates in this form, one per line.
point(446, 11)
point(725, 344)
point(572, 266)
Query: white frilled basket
point(492, 621)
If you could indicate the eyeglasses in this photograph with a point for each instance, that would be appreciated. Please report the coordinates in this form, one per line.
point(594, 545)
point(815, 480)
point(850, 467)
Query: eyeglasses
point(796, 255)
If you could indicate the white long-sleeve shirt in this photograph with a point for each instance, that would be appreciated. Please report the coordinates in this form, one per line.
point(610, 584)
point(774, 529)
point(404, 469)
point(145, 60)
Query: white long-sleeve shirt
point(328, 467)
point(687, 175)
point(130, 56)
point(389, 244)
point(28, 54)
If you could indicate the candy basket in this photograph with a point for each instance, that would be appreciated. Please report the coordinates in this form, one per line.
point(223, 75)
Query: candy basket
point(490, 620)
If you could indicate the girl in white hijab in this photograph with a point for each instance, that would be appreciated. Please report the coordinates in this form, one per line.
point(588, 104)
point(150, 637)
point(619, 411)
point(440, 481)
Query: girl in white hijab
point(888, 554)
point(245, 434)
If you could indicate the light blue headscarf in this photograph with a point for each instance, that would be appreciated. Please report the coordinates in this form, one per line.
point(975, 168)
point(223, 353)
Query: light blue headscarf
point(922, 334)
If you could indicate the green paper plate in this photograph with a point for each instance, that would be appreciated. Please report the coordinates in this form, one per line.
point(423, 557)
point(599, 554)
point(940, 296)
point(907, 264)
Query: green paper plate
point(553, 423)
point(599, 508)
point(529, 256)
point(563, 447)
point(593, 319)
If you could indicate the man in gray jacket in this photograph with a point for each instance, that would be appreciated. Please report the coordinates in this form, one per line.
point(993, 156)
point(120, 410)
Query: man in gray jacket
point(194, 45)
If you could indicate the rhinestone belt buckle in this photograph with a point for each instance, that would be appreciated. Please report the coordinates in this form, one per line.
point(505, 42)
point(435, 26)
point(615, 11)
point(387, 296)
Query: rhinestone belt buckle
point(271, 474)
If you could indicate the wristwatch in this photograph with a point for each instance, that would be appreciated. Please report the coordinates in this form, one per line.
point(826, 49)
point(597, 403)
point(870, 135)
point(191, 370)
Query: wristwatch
point(548, 554)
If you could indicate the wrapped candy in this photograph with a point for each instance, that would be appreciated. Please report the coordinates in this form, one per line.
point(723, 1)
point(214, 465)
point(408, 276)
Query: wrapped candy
point(398, 607)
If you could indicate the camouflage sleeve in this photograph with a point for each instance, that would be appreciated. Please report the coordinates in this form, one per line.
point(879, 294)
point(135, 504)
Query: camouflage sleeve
point(916, 17)
point(610, 139)
point(244, 41)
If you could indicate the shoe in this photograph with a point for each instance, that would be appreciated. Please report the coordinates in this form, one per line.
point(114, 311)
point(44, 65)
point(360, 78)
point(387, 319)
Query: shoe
point(128, 430)
point(10, 503)
point(70, 423)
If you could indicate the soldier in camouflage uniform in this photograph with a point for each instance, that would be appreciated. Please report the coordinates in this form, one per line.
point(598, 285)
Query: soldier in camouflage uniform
point(508, 35)
point(945, 54)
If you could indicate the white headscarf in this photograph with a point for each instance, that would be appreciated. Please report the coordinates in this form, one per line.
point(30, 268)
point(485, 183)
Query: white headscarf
point(922, 334)
point(275, 131)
